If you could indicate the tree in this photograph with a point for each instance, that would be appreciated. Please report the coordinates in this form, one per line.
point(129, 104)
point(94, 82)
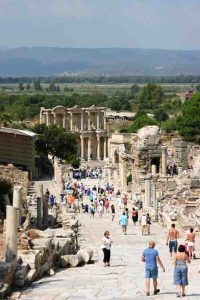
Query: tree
point(28, 87)
point(141, 121)
point(151, 97)
point(160, 115)
point(198, 87)
point(170, 125)
point(189, 124)
point(57, 142)
point(21, 86)
point(37, 85)
point(5, 119)
point(135, 89)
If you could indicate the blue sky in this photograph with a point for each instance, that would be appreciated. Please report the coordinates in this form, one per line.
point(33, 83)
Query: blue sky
point(168, 24)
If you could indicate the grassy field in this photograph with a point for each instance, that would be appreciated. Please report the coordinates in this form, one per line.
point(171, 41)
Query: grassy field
point(107, 89)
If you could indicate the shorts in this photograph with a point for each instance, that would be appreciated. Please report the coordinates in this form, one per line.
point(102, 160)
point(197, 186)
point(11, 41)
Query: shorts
point(124, 227)
point(151, 272)
point(191, 244)
point(181, 275)
point(173, 245)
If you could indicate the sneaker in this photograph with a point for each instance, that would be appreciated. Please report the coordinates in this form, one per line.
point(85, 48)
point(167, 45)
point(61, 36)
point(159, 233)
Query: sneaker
point(156, 292)
point(147, 293)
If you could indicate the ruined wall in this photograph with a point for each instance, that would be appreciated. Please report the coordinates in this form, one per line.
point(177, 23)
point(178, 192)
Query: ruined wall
point(16, 177)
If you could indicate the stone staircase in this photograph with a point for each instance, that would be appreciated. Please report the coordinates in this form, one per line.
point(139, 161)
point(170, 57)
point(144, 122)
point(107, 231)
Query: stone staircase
point(31, 188)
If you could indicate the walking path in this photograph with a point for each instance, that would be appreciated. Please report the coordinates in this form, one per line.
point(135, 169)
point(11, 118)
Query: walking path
point(125, 278)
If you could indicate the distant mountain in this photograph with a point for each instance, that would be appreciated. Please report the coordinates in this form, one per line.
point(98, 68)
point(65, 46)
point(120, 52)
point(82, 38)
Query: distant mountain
point(4, 47)
point(41, 61)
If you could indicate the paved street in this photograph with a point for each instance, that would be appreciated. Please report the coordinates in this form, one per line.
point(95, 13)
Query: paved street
point(124, 279)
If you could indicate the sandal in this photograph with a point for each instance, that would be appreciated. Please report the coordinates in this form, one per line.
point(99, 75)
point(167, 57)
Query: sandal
point(156, 292)
point(147, 293)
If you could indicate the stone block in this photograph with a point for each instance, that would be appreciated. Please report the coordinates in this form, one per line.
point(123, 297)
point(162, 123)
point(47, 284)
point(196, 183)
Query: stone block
point(64, 261)
point(22, 271)
point(195, 184)
point(180, 144)
point(66, 246)
point(32, 258)
point(42, 243)
point(32, 275)
point(171, 186)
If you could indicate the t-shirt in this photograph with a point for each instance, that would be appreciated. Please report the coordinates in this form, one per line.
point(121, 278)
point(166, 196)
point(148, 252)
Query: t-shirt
point(123, 220)
point(144, 220)
point(150, 255)
point(106, 243)
point(134, 213)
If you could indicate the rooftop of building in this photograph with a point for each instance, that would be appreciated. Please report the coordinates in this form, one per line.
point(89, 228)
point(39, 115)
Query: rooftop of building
point(17, 131)
point(76, 108)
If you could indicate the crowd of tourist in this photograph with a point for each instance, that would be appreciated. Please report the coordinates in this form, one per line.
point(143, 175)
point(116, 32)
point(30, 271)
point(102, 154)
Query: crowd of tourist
point(83, 173)
point(101, 198)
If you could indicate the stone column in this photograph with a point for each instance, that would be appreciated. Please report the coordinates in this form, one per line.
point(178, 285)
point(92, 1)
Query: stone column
point(89, 148)
point(153, 170)
point(104, 116)
point(17, 201)
point(82, 147)
point(97, 120)
point(123, 175)
point(47, 119)
point(164, 162)
point(41, 195)
point(98, 147)
point(17, 196)
point(39, 212)
point(11, 233)
point(82, 121)
point(64, 121)
point(147, 198)
point(71, 121)
point(89, 121)
point(105, 148)
point(41, 117)
point(154, 200)
point(45, 211)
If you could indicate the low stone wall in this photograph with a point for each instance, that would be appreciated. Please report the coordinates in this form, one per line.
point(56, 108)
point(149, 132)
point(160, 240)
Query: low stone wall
point(39, 253)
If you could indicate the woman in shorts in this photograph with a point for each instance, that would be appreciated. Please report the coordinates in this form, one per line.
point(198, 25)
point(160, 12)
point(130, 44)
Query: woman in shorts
point(191, 243)
point(181, 270)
